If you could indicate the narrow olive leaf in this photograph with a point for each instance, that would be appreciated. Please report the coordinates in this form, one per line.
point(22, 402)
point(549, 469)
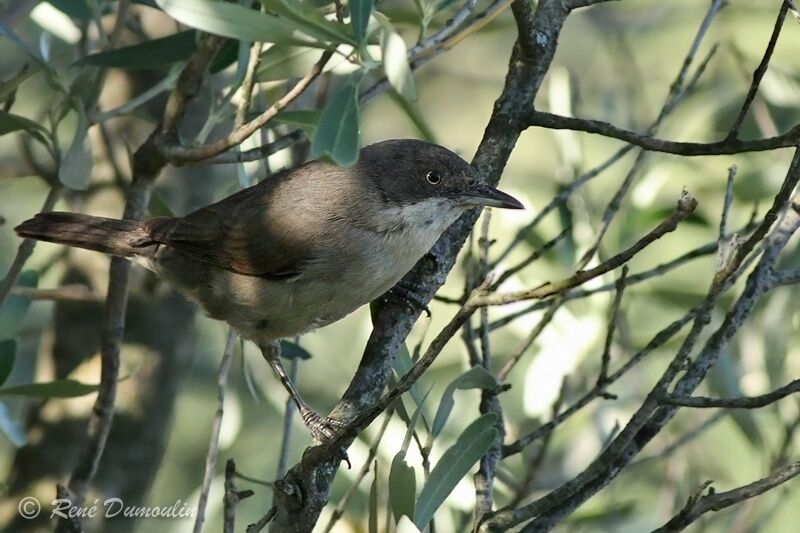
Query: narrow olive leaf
point(14, 308)
point(372, 526)
point(360, 10)
point(12, 84)
point(76, 165)
point(402, 366)
point(417, 118)
point(158, 207)
point(8, 351)
point(402, 487)
point(228, 53)
point(476, 377)
point(281, 62)
point(234, 21)
point(337, 133)
point(413, 422)
point(311, 22)
point(441, 5)
point(305, 119)
point(454, 465)
point(151, 54)
point(292, 350)
point(10, 123)
point(395, 63)
point(11, 428)
point(60, 388)
point(77, 9)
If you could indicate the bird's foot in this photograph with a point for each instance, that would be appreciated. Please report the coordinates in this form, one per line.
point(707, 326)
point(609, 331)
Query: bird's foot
point(409, 293)
point(324, 429)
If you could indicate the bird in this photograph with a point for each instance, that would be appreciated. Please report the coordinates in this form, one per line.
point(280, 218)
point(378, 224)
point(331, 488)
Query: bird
point(301, 249)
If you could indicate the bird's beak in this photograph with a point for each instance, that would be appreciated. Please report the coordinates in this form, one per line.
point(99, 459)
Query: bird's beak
point(486, 196)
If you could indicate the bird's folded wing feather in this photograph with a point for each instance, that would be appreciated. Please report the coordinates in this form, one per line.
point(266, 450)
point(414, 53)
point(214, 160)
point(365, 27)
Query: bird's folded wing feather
point(241, 234)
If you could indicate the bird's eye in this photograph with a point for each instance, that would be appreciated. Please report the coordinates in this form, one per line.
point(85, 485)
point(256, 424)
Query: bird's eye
point(433, 177)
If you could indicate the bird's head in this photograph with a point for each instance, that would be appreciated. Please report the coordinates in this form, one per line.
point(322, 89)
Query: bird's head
point(424, 178)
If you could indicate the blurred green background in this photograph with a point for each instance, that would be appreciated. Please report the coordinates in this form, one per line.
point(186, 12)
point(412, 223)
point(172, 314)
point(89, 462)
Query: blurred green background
point(614, 62)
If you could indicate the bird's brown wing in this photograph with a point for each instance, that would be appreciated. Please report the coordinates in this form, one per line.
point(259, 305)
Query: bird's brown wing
point(240, 233)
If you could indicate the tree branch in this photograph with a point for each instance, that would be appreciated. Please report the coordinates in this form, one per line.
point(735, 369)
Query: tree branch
point(758, 74)
point(725, 147)
point(745, 402)
point(700, 504)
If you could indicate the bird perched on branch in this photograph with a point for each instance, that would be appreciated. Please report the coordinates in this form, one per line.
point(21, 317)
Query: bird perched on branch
point(301, 249)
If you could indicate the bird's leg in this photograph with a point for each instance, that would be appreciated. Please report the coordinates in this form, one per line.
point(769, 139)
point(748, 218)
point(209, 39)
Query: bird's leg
point(409, 293)
point(322, 428)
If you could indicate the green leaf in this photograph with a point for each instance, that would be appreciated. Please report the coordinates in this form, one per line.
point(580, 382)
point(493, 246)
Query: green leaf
point(454, 465)
point(305, 119)
point(373, 501)
point(8, 351)
point(10, 123)
point(11, 428)
point(76, 9)
point(12, 84)
point(151, 54)
point(234, 21)
point(282, 62)
point(158, 207)
point(338, 130)
point(402, 366)
point(60, 388)
point(441, 5)
point(402, 487)
point(413, 422)
point(360, 11)
point(14, 308)
point(228, 53)
point(76, 165)
point(417, 118)
point(475, 378)
point(310, 21)
point(395, 63)
point(292, 350)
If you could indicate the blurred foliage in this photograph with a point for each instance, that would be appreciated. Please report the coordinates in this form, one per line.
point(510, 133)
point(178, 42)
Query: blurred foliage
point(614, 62)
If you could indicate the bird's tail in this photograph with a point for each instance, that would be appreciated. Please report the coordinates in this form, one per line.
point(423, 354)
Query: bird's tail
point(122, 238)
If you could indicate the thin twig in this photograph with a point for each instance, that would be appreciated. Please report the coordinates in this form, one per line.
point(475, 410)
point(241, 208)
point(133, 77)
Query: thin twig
point(523, 346)
point(744, 402)
point(248, 83)
point(699, 504)
point(181, 154)
point(338, 512)
point(605, 359)
point(213, 443)
point(66, 293)
point(263, 521)
point(26, 248)
point(758, 74)
point(724, 147)
point(684, 208)
point(232, 497)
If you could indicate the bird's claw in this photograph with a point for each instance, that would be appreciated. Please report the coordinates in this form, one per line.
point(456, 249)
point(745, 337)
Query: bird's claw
point(324, 429)
point(408, 293)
